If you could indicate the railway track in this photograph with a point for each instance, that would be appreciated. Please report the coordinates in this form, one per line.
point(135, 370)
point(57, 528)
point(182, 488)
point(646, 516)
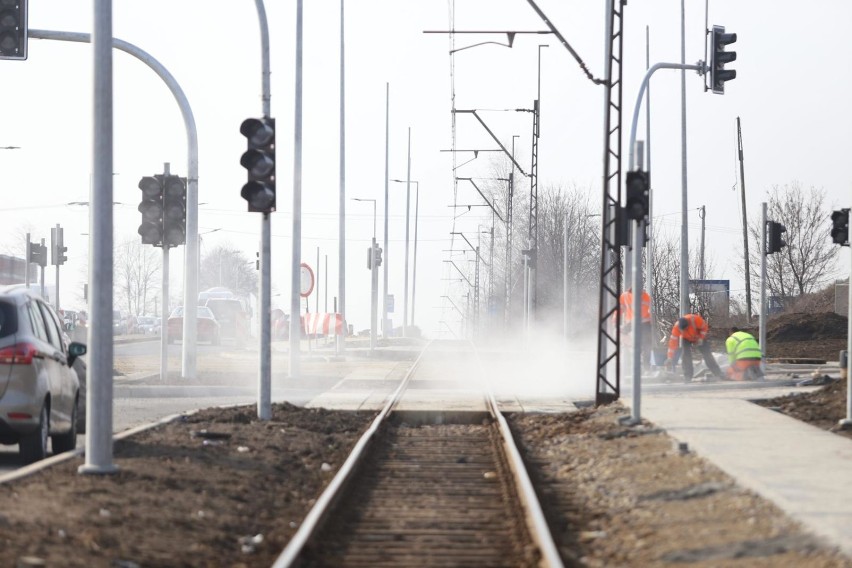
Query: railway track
point(435, 481)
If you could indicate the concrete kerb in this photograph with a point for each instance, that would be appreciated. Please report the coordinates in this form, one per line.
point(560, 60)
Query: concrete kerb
point(61, 458)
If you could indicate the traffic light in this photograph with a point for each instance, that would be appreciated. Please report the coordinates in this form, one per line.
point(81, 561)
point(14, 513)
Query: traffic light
point(378, 256)
point(840, 227)
point(151, 208)
point(774, 241)
point(38, 254)
point(719, 57)
point(174, 211)
point(57, 247)
point(13, 29)
point(259, 160)
point(636, 204)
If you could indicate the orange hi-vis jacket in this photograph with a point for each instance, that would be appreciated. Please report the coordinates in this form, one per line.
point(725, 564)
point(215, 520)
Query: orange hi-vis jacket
point(626, 305)
point(697, 329)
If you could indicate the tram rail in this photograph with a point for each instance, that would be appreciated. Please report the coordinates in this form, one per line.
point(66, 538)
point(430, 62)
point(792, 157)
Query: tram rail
point(429, 486)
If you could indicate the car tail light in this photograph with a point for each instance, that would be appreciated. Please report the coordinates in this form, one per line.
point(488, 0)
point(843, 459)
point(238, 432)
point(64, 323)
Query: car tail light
point(18, 354)
point(20, 416)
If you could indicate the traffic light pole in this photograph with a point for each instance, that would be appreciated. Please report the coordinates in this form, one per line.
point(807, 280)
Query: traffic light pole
point(190, 297)
point(55, 244)
point(264, 396)
point(164, 306)
point(296, 254)
point(846, 423)
point(99, 395)
point(42, 269)
point(763, 248)
point(374, 294)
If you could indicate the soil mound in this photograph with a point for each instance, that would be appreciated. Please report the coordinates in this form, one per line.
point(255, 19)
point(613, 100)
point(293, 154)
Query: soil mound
point(802, 326)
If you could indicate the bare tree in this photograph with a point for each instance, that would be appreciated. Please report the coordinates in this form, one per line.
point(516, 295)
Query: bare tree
point(228, 267)
point(137, 268)
point(809, 259)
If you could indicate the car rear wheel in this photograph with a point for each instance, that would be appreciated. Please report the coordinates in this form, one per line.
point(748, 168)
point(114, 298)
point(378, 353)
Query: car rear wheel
point(33, 447)
point(68, 441)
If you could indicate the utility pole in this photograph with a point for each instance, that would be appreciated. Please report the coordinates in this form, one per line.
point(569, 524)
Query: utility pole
point(702, 213)
point(27, 254)
point(385, 331)
point(762, 328)
point(340, 338)
point(684, 230)
point(42, 268)
point(407, 216)
point(745, 221)
point(296, 249)
point(565, 278)
point(316, 300)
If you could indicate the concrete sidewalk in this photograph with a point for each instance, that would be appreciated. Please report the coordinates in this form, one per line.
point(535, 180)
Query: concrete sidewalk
point(804, 470)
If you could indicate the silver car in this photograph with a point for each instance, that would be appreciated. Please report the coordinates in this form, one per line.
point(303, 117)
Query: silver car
point(39, 389)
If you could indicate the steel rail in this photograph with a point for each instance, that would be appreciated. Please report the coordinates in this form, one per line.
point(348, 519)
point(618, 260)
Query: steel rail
point(534, 516)
point(535, 519)
point(290, 555)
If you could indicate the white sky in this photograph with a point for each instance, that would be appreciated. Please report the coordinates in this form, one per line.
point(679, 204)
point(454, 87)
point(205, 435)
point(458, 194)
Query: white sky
point(793, 83)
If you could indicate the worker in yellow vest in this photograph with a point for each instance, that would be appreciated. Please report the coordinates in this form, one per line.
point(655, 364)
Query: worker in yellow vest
point(744, 356)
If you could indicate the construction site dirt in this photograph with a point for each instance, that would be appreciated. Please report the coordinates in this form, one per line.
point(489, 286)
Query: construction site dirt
point(220, 488)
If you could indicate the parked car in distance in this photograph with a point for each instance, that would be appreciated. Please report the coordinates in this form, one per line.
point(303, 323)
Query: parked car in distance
point(233, 319)
point(148, 325)
point(39, 388)
point(206, 325)
point(119, 324)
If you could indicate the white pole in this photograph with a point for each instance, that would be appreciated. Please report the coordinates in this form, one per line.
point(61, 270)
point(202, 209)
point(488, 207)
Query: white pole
point(264, 390)
point(565, 279)
point(100, 359)
point(649, 226)
point(847, 422)
point(296, 255)
point(762, 332)
point(385, 331)
point(684, 230)
point(407, 216)
point(164, 319)
point(414, 267)
point(340, 342)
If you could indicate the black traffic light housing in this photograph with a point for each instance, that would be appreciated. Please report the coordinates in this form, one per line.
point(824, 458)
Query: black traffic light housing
point(174, 210)
point(151, 208)
point(37, 254)
point(57, 246)
point(840, 227)
point(259, 160)
point(13, 29)
point(719, 57)
point(636, 202)
point(774, 242)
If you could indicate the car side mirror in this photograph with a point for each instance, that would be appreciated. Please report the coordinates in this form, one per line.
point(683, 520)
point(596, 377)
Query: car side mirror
point(75, 349)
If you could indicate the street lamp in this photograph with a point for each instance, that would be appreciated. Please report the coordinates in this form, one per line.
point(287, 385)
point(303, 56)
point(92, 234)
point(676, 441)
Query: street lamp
point(408, 183)
point(374, 211)
point(374, 256)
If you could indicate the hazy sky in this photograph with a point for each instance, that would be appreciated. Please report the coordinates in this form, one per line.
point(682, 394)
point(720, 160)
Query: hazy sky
point(791, 93)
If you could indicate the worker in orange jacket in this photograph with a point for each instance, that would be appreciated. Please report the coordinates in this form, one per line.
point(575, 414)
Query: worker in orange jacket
point(691, 331)
point(626, 309)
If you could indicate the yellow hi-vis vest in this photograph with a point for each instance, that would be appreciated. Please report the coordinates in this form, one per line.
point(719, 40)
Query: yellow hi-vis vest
point(742, 345)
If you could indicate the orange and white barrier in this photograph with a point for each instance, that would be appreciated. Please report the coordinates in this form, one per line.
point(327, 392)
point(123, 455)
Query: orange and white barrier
point(322, 324)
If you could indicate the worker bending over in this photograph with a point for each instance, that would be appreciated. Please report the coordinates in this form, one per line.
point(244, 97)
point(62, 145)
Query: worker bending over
point(692, 330)
point(744, 356)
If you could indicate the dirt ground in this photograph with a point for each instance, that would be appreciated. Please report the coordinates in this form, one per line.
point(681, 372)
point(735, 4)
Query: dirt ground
point(219, 488)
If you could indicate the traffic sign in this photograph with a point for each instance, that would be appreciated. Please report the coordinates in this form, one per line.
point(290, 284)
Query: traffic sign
point(306, 280)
